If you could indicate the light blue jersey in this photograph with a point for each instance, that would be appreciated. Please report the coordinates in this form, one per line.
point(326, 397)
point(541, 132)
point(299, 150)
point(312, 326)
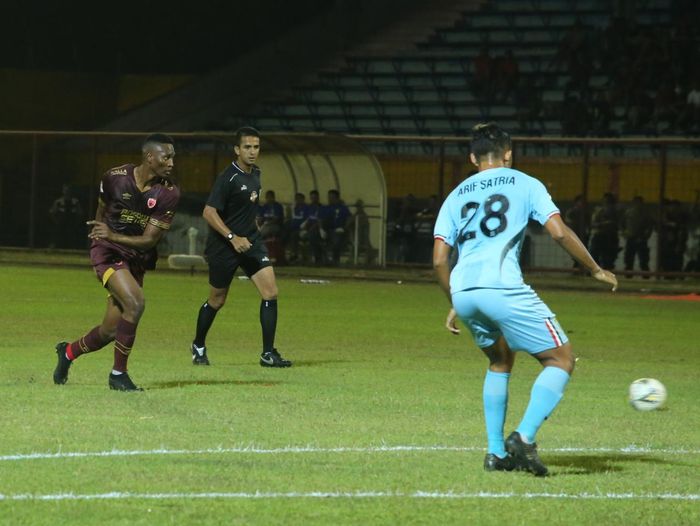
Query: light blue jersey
point(485, 217)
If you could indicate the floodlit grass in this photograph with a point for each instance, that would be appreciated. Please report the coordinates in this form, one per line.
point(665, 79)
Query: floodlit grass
point(374, 370)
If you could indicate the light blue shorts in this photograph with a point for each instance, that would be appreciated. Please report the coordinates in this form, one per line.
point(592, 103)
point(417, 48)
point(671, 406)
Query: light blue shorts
point(519, 315)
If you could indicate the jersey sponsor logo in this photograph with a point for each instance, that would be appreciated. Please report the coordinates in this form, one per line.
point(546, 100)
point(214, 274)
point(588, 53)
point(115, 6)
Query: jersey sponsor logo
point(126, 196)
point(244, 187)
point(265, 258)
point(253, 196)
point(127, 217)
point(118, 171)
point(151, 202)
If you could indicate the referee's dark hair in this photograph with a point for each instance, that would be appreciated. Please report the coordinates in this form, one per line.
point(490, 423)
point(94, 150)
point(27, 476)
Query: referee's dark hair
point(156, 138)
point(245, 131)
point(489, 138)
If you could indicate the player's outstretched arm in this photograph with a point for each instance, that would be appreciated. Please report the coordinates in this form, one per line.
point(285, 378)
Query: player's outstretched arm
point(570, 242)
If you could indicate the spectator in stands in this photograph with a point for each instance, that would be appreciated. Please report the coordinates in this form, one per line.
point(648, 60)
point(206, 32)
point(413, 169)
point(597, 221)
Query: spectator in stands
point(271, 222)
point(693, 264)
point(673, 236)
point(605, 243)
point(689, 120)
point(573, 46)
point(423, 226)
point(335, 218)
point(574, 117)
point(359, 231)
point(293, 230)
point(602, 114)
point(482, 83)
point(529, 109)
point(579, 220)
point(638, 226)
point(311, 228)
point(270, 216)
point(404, 229)
point(506, 77)
point(666, 108)
point(67, 217)
point(640, 108)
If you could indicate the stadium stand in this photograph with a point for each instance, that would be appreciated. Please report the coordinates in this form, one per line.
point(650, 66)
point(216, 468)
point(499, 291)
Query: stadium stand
point(552, 67)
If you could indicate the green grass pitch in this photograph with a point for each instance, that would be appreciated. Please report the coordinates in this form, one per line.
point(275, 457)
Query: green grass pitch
point(378, 422)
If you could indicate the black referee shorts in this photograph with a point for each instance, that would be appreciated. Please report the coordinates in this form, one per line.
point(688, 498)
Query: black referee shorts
point(224, 263)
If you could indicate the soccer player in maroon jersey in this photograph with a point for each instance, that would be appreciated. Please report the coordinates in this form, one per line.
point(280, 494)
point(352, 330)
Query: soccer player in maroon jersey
point(136, 207)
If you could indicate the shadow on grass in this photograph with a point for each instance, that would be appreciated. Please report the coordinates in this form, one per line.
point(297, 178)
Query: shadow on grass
point(314, 363)
point(186, 383)
point(604, 463)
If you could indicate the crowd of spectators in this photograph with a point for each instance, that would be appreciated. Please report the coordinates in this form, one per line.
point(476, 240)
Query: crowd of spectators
point(312, 232)
point(603, 230)
point(410, 229)
point(650, 78)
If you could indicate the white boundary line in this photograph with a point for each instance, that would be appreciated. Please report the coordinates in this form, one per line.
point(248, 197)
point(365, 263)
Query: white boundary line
point(632, 449)
point(350, 495)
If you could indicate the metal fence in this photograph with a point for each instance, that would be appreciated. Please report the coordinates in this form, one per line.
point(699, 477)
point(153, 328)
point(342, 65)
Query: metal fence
point(665, 173)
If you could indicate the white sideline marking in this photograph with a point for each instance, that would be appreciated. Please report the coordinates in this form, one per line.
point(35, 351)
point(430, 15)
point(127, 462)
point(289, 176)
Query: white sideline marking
point(310, 449)
point(352, 495)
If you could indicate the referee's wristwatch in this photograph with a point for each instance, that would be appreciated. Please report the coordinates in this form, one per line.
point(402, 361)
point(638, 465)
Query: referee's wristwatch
point(229, 236)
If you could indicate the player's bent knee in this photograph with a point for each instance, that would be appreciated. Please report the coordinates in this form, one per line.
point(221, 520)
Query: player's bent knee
point(133, 306)
point(565, 358)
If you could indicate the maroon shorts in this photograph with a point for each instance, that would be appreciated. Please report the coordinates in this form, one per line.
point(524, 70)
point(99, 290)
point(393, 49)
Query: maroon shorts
point(107, 259)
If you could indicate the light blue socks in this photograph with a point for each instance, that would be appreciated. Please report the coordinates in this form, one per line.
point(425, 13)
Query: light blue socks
point(495, 405)
point(546, 392)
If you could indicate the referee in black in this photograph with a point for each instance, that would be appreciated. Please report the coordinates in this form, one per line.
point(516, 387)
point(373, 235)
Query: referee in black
point(234, 241)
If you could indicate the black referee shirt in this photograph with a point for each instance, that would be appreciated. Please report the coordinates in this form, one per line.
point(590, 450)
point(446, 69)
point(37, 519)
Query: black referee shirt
point(235, 196)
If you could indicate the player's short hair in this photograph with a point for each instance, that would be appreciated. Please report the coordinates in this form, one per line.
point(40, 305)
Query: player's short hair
point(489, 138)
point(156, 138)
point(245, 131)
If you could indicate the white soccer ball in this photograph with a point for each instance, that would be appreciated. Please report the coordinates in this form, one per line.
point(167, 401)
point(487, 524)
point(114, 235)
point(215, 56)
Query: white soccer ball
point(647, 394)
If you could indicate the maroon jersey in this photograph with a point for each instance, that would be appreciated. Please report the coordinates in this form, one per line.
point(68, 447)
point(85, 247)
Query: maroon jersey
point(127, 211)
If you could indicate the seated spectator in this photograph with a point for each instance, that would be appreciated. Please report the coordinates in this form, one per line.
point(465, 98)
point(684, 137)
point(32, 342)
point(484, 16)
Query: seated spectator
point(529, 109)
point(293, 229)
point(602, 114)
point(270, 216)
point(271, 222)
point(482, 83)
point(335, 217)
point(311, 228)
point(689, 120)
point(639, 110)
point(574, 117)
point(507, 75)
point(666, 108)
